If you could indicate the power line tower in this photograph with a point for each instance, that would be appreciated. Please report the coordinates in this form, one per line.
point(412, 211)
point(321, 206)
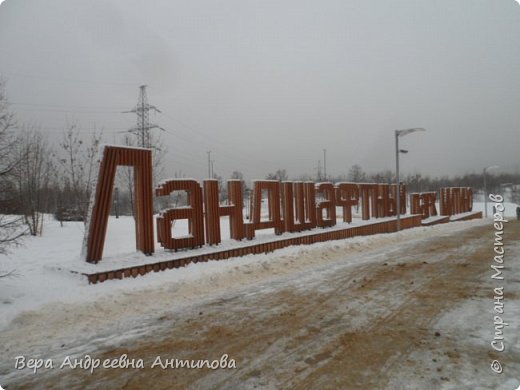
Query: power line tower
point(142, 109)
point(144, 139)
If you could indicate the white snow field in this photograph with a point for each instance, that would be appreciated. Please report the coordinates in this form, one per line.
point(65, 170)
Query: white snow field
point(41, 264)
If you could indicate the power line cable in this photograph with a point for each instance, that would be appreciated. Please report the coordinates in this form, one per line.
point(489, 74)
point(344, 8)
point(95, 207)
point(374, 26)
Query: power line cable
point(217, 141)
point(64, 79)
point(66, 106)
point(68, 111)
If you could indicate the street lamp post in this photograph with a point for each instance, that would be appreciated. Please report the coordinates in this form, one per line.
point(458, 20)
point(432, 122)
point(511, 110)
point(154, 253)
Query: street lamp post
point(485, 187)
point(400, 133)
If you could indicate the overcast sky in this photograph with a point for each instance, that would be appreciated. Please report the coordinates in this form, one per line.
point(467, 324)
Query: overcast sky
point(269, 84)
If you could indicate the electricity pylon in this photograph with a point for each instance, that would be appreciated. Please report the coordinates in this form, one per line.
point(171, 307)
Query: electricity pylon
point(142, 109)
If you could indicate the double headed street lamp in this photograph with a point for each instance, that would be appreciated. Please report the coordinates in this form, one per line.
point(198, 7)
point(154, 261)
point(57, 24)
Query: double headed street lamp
point(485, 187)
point(400, 133)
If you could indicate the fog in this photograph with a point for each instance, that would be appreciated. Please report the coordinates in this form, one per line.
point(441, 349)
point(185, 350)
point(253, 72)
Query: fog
point(267, 85)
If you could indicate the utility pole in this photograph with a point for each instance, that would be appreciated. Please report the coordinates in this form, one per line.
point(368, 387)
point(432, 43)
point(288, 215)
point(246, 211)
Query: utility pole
point(142, 109)
point(324, 164)
point(319, 170)
point(209, 163)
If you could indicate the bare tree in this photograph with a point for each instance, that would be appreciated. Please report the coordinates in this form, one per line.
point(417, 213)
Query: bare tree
point(32, 176)
point(237, 175)
point(382, 177)
point(78, 162)
point(305, 177)
point(11, 226)
point(11, 231)
point(356, 174)
point(280, 175)
point(158, 155)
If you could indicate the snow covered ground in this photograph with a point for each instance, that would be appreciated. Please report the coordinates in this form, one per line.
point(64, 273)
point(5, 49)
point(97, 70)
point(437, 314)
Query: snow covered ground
point(41, 303)
point(509, 208)
point(37, 279)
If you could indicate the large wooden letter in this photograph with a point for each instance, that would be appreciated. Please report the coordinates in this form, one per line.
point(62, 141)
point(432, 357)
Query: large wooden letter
point(467, 199)
point(393, 199)
point(368, 192)
point(328, 204)
point(214, 211)
point(456, 200)
point(193, 213)
point(273, 202)
point(445, 201)
point(424, 204)
point(383, 208)
point(141, 160)
point(347, 195)
point(298, 203)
